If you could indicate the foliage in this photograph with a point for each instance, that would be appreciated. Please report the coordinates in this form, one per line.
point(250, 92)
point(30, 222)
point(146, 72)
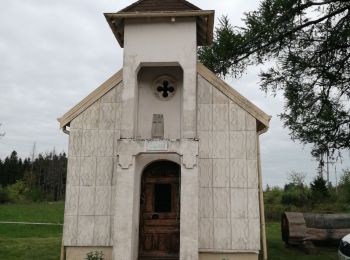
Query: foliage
point(295, 192)
point(309, 40)
point(35, 194)
point(3, 195)
point(44, 175)
point(319, 190)
point(315, 197)
point(295, 195)
point(273, 195)
point(12, 169)
point(95, 255)
point(21, 191)
point(17, 191)
point(344, 187)
point(297, 178)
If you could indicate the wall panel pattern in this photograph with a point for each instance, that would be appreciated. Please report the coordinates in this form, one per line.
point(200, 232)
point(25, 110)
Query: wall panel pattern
point(88, 216)
point(228, 173)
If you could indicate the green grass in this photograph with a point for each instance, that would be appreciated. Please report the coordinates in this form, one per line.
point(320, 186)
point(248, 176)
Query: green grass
point(51, 212)
point(31, 242)
point(34, 242)
point(277, 250)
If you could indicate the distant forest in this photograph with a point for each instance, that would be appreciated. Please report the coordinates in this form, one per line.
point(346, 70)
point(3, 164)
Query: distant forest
point(42, 177)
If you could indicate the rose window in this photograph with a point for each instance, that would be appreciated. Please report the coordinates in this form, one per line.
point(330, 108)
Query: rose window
point(164, 87)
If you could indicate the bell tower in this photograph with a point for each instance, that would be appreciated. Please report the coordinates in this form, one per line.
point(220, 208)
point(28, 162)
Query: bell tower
point(158, 122)
point(160, 40)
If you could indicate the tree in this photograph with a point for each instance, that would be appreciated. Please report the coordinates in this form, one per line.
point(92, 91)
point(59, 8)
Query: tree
point(11, 170)
point(319, 190)
point(43, 175)
point(297, 178)
point(295, 192)
point(309, 42)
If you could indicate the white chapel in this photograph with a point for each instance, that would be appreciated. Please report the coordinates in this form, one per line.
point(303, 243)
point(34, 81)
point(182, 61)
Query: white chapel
point(164, 156)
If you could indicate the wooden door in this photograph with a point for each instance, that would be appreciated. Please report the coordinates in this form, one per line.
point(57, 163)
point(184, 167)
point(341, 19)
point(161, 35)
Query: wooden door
point(160, 212)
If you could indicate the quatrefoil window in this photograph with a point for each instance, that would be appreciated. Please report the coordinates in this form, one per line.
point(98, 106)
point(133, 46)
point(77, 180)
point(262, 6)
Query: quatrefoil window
point(165, 87)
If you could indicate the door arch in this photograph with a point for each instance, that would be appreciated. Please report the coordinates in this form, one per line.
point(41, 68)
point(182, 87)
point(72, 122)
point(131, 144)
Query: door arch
point(160, 211)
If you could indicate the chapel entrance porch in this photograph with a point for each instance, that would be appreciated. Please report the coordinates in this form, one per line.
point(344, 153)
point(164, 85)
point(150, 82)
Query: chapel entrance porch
point(160, 211)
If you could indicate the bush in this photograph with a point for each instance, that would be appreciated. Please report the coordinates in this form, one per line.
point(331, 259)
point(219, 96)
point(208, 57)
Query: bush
point(273, 212)
point(273, 196)
point(3, 195)
point(96, 255)
point(273, 207)
point(35, 194)
point(344, 187)
point(296, 196)
point(17, 191)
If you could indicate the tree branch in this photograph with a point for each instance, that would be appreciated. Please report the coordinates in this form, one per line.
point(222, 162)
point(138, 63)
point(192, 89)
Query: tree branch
point(298, 28)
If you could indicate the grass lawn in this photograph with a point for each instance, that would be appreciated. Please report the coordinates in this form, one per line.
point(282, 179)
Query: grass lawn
point(31, 242)
point(36, 242)
point(277, 250)
point(51, 212)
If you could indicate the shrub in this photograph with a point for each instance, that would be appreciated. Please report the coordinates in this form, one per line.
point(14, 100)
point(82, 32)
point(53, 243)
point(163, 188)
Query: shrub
point(344, 187)
point(273, 212)
point(17, 191)
point(95, 255)
point(295, 195)
point(3, 195)
point(35, 194)
point(273, 195)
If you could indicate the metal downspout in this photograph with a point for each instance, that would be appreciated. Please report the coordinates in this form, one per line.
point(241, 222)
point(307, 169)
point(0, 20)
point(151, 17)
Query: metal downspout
point(64, 129)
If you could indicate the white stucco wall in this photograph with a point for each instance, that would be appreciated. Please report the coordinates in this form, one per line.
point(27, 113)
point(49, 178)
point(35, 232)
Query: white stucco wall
point(149, 41)
point(133, 155)
point(88, 215)
point(227, 178)
point(228, 174)
point(149, 104)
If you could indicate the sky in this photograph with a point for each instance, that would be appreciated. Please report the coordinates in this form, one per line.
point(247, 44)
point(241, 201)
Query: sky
point(54, 53)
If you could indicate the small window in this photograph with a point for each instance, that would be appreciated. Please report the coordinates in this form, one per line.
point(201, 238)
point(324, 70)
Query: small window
point(164, 87)
point(162, 197)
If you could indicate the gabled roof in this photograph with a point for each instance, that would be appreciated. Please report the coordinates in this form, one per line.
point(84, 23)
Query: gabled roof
point(221, 85)
point(159, 5)
point(168, 10)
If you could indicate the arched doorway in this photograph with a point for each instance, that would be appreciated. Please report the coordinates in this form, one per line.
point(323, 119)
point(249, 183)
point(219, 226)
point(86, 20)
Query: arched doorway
point(160, 211)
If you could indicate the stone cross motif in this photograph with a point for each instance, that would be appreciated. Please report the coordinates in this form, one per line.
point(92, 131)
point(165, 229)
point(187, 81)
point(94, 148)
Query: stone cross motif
point(166, 88)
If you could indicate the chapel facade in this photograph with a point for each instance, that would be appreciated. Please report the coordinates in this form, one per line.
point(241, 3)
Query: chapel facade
point(163, 159)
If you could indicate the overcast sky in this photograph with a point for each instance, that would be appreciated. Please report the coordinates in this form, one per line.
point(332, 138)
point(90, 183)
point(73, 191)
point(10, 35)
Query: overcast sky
point(54, 53)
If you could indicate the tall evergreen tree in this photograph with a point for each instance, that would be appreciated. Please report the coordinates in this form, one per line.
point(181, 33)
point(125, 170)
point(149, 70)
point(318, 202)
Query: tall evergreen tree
point(47, 172)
